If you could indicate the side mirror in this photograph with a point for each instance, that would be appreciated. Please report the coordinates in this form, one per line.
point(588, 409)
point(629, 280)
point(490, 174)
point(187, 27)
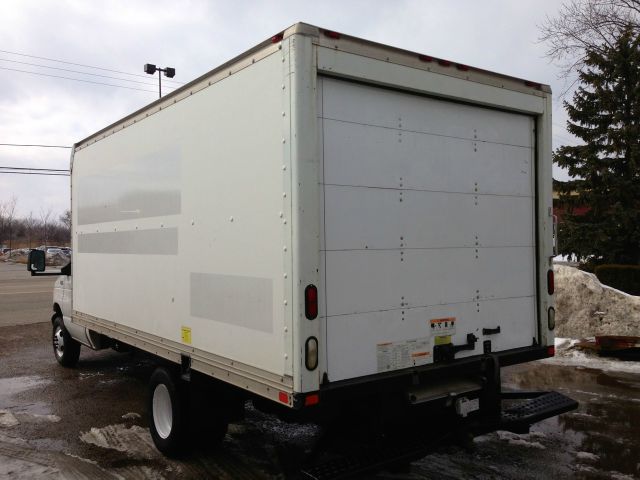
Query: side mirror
point(36, 262)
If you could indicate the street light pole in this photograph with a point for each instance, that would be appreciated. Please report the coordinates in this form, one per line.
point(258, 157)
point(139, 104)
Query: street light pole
point(169, 72)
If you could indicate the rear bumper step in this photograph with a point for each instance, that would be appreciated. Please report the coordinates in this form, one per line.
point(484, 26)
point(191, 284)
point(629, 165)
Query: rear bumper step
point(527, 408)
point(536, 407)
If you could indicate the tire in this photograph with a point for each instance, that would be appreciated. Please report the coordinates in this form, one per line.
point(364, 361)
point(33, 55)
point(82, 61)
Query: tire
point(65, 348)
point(169, 411)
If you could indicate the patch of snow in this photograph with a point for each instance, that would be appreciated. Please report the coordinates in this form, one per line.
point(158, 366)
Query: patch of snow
point(589, 457)
point(568, 355)
point(46, 418)
point(135, 441)
point(131, 416)
point(585, 307)
point(620, 476)
point(8, 419)
point(519, 440)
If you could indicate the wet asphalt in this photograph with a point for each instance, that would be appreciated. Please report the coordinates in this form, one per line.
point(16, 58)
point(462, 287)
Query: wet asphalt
point(90, 422)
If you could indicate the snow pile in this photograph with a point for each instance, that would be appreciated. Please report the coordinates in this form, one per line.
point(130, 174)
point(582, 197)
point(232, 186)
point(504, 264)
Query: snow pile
point(585, 307)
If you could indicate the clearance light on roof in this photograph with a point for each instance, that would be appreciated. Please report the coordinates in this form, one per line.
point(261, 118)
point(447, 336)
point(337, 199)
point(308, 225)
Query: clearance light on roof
point(532, 84)
point(444, 63)
point(277, 37)
point(462, 67)
point(331, 34)
point(425, 58)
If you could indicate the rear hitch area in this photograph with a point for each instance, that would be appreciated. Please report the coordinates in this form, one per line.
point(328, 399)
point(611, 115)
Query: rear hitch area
point(452, 412)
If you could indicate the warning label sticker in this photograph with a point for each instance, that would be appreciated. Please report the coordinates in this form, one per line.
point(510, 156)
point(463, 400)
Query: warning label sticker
point(443, 326)
point(409, 353)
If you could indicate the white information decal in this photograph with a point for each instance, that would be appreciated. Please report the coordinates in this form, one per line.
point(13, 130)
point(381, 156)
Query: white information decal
point(404, 354)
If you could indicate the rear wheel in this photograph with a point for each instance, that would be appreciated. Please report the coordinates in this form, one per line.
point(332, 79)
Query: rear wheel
point(65, 348)
point(168, 405)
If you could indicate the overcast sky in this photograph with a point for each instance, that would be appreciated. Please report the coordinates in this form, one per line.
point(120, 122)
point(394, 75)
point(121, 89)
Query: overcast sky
point(196, 36)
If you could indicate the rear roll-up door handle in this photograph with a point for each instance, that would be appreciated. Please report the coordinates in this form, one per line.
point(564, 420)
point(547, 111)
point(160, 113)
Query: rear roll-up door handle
point(491, 331)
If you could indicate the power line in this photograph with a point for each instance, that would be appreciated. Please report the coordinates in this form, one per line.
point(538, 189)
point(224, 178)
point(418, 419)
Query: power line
point(82, 65)
point(39, 169)
point(36, 173)
point(77, 79)
point(81, 73)
point(31, 145)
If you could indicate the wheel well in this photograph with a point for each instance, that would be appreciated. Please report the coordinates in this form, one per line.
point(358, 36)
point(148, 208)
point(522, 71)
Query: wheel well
point(57, 312)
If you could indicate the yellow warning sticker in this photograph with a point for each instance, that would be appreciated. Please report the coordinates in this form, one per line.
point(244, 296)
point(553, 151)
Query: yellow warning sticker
point(444, 340)
point(186, 335)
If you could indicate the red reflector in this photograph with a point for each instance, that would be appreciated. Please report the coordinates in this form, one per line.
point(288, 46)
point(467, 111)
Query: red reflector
point(283, 397)
point(444, 63)
point(551, 351)
point(425, 58)
point(312, 399)
point(311, 302)
point(464, 68)
point(277, 38)
point(550, 282)
point(331, 34)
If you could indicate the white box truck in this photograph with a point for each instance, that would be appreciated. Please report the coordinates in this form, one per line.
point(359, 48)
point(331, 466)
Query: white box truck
point(320, 220)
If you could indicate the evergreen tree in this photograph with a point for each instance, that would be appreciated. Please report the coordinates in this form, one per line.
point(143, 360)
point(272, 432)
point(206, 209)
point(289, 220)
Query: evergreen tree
point(605, 171)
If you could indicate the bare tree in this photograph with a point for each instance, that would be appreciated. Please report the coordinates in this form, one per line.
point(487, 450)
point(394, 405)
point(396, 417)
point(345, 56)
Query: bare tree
point(9, 215)
point(587, 25)
point(30, 224)
point(45, 216)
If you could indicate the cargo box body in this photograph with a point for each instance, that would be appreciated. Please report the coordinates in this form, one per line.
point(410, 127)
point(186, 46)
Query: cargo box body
point(414, 194)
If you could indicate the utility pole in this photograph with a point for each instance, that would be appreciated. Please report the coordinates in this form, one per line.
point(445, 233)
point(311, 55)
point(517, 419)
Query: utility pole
point(169, 72)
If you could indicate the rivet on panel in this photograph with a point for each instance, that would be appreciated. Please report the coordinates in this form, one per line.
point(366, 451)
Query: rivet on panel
point(281, 214)
point(193, 222)
point(285, 302)
point(284, 167)
point(285, 275)
point(284, 194)
point(284, 249)
point(231, 219)
point(284, 140)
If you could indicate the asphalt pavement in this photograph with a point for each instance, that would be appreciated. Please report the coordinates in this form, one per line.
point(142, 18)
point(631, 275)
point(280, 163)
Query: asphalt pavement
point(24, 299)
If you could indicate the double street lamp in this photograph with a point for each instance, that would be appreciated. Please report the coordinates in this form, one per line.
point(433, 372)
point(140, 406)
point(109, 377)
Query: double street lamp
point(169, 72)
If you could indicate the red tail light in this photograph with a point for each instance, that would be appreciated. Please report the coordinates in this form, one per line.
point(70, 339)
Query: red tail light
point(550, 282)
point(312, 399)
point(311, 302)
point(551, 351)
